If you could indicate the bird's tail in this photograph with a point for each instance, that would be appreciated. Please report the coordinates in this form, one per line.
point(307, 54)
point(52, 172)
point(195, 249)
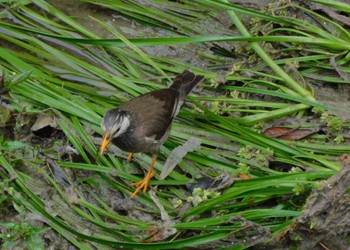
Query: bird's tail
point(185, 82)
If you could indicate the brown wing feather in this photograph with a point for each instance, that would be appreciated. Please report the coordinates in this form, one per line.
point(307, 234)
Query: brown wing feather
point(153, 111)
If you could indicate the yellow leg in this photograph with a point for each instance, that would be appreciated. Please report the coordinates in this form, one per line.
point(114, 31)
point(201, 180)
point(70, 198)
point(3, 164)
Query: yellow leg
point(130, 157)
point(144, 183)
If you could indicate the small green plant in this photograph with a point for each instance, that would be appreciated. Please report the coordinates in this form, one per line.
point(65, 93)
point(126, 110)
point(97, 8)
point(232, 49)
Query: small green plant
point(312, 225)
point(298, 238)
point(200, 195)
point(246, 152)
point(332, 122)
point(262, 157)
point(243, 168)
point(177, 203)
point(216, 109)
point(10, 145)
point(17, 235)
point(339, 139)
point(299, 189)
point(295, 170)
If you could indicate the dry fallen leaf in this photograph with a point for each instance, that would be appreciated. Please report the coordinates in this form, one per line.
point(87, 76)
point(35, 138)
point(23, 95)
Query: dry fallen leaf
point(244, 176)
point(177, 155)
point(290, 134)
point(165, 228)
point(43, 121)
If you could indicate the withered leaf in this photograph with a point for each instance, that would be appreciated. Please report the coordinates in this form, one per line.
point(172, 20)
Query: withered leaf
point(290, 134)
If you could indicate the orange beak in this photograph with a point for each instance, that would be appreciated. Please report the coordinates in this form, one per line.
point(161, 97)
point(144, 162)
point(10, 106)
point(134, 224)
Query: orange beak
point(104, 144)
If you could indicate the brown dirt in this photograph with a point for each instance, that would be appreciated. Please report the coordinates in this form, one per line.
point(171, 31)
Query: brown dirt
point(324, 223)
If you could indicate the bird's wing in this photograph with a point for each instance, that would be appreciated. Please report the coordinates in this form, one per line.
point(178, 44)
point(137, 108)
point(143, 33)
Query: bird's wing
point(153, 112)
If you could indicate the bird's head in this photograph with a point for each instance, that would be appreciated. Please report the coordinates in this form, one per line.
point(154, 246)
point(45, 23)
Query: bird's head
point(114, 123)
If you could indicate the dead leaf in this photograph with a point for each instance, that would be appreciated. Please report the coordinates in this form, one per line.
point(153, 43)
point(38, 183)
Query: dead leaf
point(163, 213)
point(43, 121)
point(290, 134)
point(332, 13)
point(160, 234)
point(165, 228)
point(275, 132)
point(244, 176)
point(178, 154)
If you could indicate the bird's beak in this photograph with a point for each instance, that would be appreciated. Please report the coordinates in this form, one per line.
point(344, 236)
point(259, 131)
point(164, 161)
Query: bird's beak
point(104, 143)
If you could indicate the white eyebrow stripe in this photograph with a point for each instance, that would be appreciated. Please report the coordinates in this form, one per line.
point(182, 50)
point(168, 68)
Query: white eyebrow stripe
point(121, 127)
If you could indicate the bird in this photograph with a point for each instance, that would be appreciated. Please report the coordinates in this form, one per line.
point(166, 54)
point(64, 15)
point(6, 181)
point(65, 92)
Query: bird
point(143, 124)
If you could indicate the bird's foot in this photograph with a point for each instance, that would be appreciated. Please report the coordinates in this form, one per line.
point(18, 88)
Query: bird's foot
point(142, 184)
point(130, 157)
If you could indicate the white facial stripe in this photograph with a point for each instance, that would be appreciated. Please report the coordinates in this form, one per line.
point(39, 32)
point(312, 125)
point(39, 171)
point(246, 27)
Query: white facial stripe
point(123, 126)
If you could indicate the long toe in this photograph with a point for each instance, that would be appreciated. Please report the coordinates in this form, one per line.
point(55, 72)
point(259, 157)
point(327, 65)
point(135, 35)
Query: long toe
point(144, 183)
point(141, 185)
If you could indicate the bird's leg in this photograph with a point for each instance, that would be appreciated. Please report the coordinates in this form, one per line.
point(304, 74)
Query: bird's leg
point(130, 157)
point(144, 183)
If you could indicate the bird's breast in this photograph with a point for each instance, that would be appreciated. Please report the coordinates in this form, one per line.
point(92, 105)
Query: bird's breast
point(131, 142)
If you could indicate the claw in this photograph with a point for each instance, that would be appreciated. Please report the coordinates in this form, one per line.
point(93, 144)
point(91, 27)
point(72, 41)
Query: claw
point(144, 183)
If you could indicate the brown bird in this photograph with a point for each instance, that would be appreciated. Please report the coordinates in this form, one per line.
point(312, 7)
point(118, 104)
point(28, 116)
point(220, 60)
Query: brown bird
point(143, 123)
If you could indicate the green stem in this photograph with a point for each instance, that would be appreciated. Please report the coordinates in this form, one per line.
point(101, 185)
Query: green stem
point(267, 59)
